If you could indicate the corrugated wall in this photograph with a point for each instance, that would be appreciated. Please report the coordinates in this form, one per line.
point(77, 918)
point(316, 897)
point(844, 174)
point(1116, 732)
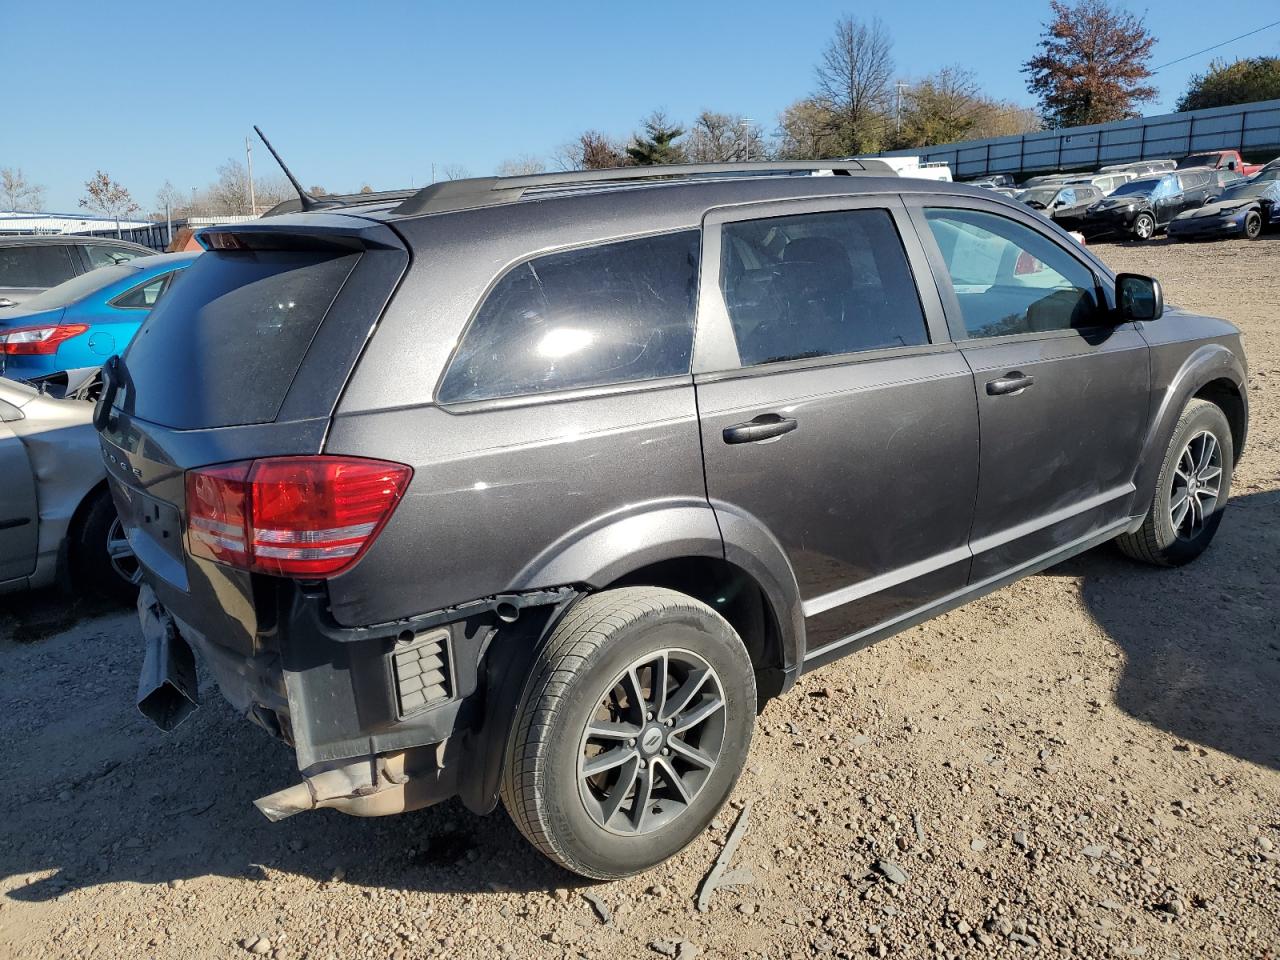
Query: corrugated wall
point(1251, 128)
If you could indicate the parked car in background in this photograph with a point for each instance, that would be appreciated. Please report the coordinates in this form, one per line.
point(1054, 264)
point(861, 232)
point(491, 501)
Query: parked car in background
point(31, 265)
point(389, 552)
point(1219, 160)
point(994, 180)
point(1045, 179)
point(1063, 204)
point(1139, 208)
point(1107, 183)
point(57, 520)
point(83, 321)
point(1245, 209)
point(1223, 178)
point(1141, 168)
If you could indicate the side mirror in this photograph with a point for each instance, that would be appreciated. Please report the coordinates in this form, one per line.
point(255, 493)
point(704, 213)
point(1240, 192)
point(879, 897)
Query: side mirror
point(1138, 297)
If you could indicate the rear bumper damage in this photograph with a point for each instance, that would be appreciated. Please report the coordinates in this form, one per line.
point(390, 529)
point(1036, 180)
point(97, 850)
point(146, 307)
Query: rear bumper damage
point(382, 720)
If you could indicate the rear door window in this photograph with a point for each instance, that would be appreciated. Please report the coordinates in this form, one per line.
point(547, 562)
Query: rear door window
point(145, 295)
point(818, 285)
point(39, 265)
point(239, 323)
point(612, 313)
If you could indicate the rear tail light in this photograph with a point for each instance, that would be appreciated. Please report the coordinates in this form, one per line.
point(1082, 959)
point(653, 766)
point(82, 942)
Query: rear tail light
point(291, 516)
point(38, 341)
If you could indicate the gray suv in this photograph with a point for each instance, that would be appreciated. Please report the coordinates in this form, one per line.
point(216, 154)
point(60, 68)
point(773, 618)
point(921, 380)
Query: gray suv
point(539, 488)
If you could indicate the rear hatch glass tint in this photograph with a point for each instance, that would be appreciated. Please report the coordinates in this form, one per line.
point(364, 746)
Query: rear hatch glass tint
point(223, 346)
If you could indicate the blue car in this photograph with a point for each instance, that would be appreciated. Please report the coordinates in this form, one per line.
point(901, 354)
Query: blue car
point(1245, 209)
point(81, 322)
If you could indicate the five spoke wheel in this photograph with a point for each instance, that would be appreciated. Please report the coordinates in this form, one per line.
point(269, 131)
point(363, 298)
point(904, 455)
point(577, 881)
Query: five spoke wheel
point(652, 742)
point(1197, 482)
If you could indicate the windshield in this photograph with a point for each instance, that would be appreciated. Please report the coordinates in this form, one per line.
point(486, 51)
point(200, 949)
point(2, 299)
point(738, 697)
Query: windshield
point(1199, 160)
point(1267, 174)
point(1246, 190)
point(1043, 196)
point(77, 288)
point(1144, 187)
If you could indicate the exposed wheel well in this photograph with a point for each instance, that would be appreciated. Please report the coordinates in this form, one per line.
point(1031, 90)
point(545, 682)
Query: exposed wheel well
point(1224, 394)
point(733, 594)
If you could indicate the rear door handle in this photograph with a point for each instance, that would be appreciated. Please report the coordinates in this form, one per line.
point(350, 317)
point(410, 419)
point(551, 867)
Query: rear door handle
point(764, 427)
point(1009, 383)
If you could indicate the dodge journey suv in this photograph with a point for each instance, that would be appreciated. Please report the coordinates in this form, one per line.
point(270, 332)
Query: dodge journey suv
point(538, 488)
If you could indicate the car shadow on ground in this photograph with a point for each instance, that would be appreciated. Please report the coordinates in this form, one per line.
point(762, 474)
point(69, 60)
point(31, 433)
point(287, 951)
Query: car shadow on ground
point(114, 800)
point(40, 614)
point(1201, 642)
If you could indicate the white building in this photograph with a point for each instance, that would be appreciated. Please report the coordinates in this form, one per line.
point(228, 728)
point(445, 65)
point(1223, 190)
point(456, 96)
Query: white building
point(30, 221)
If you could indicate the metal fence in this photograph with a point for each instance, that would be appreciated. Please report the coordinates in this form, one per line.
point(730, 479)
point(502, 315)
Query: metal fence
point(157, 235)
point(1251, 128)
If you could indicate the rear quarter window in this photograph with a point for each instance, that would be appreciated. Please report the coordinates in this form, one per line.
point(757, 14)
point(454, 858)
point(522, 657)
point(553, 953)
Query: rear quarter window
point(605, 314)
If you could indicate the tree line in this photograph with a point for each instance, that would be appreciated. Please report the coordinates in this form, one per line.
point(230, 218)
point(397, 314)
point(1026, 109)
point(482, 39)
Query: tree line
point(1091, 64)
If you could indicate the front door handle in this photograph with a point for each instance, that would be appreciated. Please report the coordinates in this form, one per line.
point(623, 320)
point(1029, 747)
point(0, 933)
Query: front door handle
point(764, 427)
point(1010, 383)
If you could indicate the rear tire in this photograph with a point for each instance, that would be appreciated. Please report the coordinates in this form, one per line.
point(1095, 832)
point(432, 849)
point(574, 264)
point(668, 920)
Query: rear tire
point(92, 564)
point(1190, 496)
point(580, 708)
point(1144, 226)
point(1253, 226)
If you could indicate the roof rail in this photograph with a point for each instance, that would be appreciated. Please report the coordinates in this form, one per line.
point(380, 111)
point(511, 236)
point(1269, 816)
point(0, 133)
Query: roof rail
point(451, 195)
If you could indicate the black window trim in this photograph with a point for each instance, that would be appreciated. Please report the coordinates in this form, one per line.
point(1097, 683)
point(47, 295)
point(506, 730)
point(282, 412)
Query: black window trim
point(1103, 279)
point(715, 349)
point(570, 393)
point(166, 277)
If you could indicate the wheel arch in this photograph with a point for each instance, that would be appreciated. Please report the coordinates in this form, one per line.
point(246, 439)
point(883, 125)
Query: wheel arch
point(706, 552)
point(73, 527)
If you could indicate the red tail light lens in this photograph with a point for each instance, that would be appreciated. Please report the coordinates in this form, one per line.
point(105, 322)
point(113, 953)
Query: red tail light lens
point(38, 341)
point(292, 516)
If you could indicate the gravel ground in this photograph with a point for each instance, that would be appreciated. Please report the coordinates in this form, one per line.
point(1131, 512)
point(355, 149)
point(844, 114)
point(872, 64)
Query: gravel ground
point(1084, 763)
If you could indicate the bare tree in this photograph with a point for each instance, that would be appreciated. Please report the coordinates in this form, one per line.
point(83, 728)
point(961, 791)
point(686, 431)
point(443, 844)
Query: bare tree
point(454, 171)
point(229, 195)
point(725, 138)
point(365, 188)
point(18, 191)
point(592, 150)
point(317, 191)
point(521, 166)
point(854, 82)
point(108, 198)
point(171, 198)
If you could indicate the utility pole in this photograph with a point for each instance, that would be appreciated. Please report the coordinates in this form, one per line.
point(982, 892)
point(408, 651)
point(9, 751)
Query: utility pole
point(168, 226)
point(897, 113)
point(248, 156)
point(745, 123)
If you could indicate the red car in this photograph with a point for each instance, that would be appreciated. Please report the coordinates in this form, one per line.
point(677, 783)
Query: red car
point(1220, 160)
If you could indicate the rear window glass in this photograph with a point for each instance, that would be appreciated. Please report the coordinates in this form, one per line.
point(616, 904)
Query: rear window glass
point(613, 313)
point(39, 265)
point(226, 340)
point(76, 289)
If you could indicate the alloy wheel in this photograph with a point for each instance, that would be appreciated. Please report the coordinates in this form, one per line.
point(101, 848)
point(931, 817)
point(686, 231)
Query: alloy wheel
point(1144, 227)
point(123, 562)
point(1197, 482)
point(652, 743)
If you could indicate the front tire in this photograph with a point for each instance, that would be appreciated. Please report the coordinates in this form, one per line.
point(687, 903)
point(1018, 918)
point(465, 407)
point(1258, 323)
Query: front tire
point(1253, 226)
point(1191, 490)
point(633, 732)
point(1144, 226)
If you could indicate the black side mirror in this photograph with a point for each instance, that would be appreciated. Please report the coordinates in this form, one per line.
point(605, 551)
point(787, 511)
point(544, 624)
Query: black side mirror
point(1138, 297)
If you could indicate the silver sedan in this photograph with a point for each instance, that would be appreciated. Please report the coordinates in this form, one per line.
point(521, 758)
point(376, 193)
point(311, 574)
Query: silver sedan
point(57, 520)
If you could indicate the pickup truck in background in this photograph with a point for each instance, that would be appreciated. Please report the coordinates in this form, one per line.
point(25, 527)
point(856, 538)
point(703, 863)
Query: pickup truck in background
point(1220, 160)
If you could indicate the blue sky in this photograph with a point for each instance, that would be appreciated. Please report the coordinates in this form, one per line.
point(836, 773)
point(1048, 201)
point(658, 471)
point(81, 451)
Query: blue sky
point(378, 91)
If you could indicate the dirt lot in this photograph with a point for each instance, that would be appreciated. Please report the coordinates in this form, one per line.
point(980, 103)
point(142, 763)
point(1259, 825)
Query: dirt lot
point(1087, 763)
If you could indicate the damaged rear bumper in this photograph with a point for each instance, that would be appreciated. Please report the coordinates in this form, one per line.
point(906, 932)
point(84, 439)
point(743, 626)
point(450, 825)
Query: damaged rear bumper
point(382, 720)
